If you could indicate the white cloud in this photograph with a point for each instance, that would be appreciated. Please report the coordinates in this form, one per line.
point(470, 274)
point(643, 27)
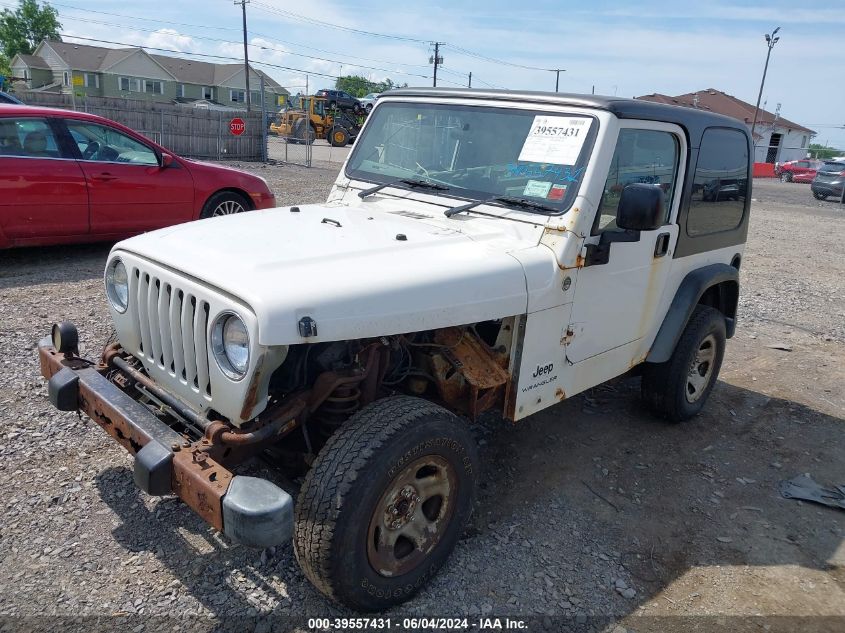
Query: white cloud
point(168, 39)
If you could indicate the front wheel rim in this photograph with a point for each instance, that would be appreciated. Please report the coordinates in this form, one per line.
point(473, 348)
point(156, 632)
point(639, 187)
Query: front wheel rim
point(228, 207)
point(412, 516)
point(701, 369)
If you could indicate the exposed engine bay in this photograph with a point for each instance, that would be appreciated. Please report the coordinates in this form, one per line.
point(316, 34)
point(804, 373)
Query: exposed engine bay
point(319, 386)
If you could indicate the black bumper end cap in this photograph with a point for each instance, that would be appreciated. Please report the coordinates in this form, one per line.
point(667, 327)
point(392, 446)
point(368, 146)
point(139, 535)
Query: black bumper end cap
point(154, 469)
point(257, 513)
point(63, 389)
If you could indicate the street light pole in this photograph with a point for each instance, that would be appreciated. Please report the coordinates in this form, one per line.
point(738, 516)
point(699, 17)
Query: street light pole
point(771, 40)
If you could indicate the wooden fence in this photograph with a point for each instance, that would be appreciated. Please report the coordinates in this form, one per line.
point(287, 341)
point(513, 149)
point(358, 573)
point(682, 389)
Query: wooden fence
point(185, 130)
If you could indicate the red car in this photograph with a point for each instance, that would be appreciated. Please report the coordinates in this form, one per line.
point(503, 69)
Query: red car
point(803, 170)
point(74, 177)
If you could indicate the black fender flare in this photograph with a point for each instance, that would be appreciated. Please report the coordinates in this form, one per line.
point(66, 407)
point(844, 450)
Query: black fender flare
point(689, 293)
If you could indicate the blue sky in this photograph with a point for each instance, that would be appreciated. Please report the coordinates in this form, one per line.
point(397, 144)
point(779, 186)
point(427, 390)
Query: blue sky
point(619, 47)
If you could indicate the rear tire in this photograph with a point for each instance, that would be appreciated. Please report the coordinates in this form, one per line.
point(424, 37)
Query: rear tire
point(819, 196)
point(385, 502)
point(678, 389)
point(225, 203)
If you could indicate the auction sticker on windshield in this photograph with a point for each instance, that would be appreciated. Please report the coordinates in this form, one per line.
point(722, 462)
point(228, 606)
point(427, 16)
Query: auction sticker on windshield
point(555, 139)
point(536, 188)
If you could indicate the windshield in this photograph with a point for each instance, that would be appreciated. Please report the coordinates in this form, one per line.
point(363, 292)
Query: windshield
point(478, 152)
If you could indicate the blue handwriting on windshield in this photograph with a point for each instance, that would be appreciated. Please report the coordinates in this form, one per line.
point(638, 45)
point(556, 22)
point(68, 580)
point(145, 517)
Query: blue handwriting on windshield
point(560, 173)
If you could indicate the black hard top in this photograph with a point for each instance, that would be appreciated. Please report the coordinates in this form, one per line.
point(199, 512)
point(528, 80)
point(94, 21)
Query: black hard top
point(691, 119)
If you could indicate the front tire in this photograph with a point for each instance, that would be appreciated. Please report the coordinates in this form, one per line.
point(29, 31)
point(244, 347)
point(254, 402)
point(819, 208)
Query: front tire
point(225, 203)
point(385, 502)
point(678, 389)
point(819, 196)
point(786, 176)
point(338, 137)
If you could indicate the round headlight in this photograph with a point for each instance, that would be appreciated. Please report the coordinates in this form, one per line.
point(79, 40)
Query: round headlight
point(230, 344)
point(117, 285)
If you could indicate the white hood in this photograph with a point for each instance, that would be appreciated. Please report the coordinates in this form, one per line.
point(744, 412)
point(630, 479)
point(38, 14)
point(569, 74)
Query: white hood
point(354, 280)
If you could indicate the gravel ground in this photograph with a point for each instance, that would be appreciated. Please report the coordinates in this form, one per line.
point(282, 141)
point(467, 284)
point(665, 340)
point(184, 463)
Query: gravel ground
point(592, 514)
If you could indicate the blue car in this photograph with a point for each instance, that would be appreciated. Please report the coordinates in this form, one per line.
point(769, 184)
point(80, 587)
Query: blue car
point(5, 97)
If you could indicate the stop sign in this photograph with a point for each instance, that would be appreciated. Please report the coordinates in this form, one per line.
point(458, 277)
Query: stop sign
point(237, 126)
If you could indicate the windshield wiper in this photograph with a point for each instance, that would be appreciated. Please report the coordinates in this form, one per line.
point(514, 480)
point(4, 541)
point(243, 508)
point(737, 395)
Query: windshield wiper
point(413, 183)
point(528, 204)
point(541, 209)
point(464, 207)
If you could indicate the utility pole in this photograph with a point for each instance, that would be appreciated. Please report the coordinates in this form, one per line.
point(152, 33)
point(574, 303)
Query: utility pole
point(469, 85)
point(771, 40)
point(243, 4)
point(557, 72)
point(436, 60)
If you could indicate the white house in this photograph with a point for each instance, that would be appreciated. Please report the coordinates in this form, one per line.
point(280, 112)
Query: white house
point(776, 139)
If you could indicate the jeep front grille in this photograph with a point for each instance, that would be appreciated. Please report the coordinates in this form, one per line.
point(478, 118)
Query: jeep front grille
point(172, 325)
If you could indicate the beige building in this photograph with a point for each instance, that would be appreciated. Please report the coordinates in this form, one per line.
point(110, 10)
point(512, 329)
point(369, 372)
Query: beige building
point(134, 73)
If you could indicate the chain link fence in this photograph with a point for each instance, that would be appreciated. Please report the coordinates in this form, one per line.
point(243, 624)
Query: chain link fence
point(291, 137)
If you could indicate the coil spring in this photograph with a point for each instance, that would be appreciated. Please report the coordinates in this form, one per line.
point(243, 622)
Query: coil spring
point(342, 403)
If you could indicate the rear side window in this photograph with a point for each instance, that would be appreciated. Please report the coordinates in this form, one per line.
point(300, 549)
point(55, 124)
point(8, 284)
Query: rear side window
point(832, 168)
point(31, 138)
point(721, 183)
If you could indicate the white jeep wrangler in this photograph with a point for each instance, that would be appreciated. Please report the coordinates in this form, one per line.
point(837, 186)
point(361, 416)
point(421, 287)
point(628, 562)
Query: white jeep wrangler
point(480, 251)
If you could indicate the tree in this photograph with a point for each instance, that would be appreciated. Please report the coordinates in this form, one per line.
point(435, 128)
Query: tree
point(5, 69)
point(823, 152)
point(23, 29)
point(359, 86)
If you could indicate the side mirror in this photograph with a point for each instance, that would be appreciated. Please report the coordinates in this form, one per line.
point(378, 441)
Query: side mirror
point(640, 207)
point(166, 160)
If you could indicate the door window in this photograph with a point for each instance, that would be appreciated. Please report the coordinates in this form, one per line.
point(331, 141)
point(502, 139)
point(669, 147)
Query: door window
point(31, 138)
point(641, 156)
point(105, 144)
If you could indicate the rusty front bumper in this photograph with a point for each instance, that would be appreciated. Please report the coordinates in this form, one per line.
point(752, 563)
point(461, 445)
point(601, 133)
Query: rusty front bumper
point(252, 511)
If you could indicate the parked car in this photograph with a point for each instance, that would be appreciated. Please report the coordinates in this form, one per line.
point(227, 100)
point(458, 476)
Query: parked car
point(75, 177)
point(463, 263)
point(829, 180)
point(368, 101)
point(340, 100)
point(803, 170)
point(723, 189)
point(5, 97)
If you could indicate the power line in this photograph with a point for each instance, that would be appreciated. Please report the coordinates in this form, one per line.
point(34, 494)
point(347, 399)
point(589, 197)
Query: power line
point(494, 60)
point(220, 28)
point(474, 76)
point(257, 46)
point(296, 16)
point(172, 50)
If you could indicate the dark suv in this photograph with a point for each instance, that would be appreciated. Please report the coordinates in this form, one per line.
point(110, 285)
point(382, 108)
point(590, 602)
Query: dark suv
point(829, 180)
point(340, 99)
